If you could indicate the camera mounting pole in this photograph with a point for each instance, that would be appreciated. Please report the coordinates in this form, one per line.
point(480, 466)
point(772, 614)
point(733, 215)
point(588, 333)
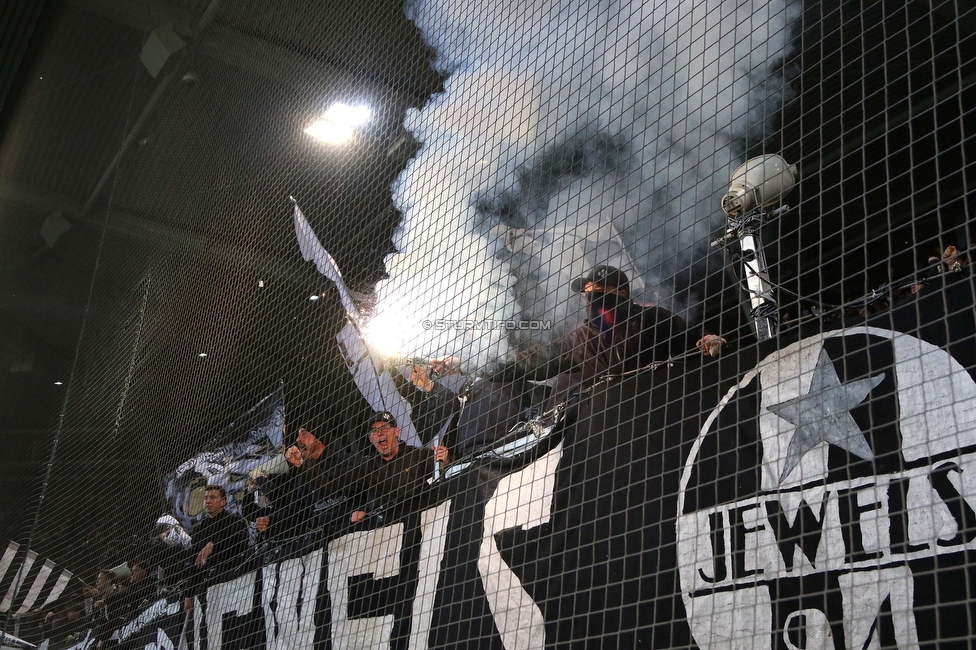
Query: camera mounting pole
point(755, 276)
point(757, 184)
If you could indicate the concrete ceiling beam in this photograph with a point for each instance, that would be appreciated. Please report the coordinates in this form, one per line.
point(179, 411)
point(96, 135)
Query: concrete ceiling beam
point(244, 52)
point(147, 231)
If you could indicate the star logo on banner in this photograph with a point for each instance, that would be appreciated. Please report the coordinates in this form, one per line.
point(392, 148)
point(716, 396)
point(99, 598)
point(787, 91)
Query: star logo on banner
point(823, 414)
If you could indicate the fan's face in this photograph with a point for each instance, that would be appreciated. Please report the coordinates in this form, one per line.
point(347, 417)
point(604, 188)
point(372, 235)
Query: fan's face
point(385, 439)
point(213, 502)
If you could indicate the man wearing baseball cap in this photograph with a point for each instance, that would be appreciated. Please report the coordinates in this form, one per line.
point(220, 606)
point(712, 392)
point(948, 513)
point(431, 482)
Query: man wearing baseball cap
point(618, 336)
point(397, 473)
point(608, 277)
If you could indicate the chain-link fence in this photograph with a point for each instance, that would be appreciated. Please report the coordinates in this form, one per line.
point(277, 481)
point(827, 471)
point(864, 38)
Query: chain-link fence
point(456, 324)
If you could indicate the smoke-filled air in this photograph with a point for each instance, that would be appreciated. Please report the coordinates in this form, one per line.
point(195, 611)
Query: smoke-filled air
point(569, 134)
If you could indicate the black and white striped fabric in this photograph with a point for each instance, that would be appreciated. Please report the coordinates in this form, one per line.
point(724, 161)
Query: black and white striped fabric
point(28, 582)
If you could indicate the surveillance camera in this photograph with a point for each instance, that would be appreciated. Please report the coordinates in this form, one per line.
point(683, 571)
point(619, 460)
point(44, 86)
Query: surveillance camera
point(761, 181)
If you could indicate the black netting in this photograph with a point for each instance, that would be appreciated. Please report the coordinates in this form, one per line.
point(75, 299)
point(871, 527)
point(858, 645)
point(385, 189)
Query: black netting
point(502, 325)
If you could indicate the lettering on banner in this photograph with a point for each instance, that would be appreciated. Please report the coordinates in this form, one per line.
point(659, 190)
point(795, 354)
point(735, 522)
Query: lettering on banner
point(382, 582)
point(163, 642)
point(821, 554)
point(433, 527)
point(288, 597)
point(521, 499)
point(807, 629)
point(855, 525)
point(224, 600)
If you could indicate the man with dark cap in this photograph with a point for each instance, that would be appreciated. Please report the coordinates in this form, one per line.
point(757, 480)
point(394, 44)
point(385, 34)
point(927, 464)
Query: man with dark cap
point(619, 335)
point(397, 473)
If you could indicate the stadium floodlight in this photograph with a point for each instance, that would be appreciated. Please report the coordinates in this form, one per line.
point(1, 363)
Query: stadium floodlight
point(351, 116)
point(339, 123)
point(329, 132)
point(759, 183)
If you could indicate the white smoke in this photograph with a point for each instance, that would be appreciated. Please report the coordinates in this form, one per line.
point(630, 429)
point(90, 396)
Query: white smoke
point(570, 134)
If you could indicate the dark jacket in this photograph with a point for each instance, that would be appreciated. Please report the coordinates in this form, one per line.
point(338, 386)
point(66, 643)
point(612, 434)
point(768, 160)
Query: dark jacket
point(122, 605)
point(310, 496)
point(329, 474)
point(638, 337)
point(429, 410)
point(385, 483)
point(292, 500)
point(229, 536)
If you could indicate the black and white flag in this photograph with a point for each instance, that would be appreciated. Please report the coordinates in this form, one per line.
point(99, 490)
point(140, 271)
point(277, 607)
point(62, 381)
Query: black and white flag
point(28, 582)
point(251, 440)
point(372, 379)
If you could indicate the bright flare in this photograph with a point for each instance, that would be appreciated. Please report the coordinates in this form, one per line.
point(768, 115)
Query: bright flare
point(385, 335)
